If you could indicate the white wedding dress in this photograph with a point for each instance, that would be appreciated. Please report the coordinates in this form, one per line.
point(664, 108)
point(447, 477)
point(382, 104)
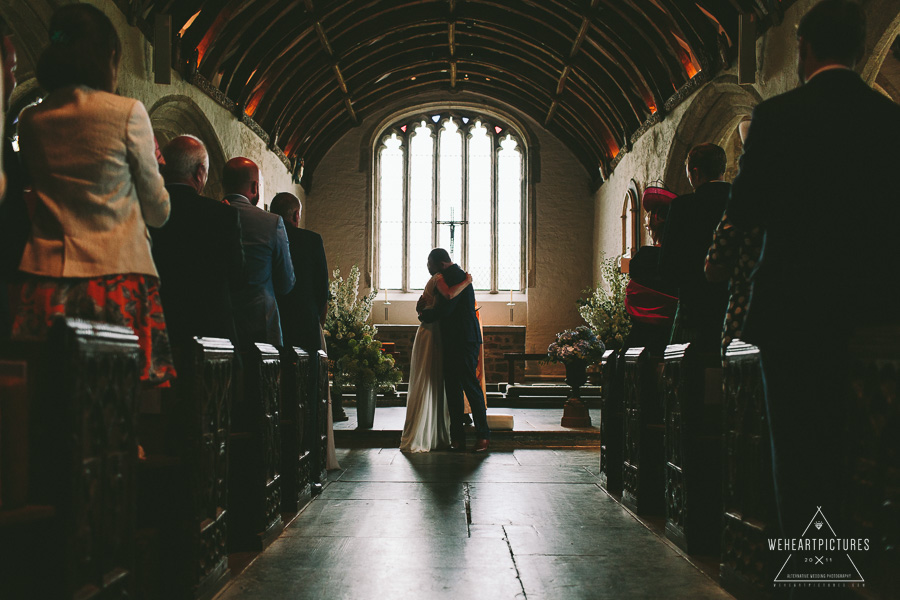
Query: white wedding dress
point(427, 414)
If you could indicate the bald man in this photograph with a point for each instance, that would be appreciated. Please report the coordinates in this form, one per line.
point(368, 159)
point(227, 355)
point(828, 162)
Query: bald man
point(268, 270)
point(198, 251)
point(303, 309)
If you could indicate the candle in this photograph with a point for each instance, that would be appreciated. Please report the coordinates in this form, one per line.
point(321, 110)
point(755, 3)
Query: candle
point(510, 296)
point(385, 294)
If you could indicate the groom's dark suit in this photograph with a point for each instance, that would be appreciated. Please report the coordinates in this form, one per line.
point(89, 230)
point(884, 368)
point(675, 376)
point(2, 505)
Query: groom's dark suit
point(461, 341)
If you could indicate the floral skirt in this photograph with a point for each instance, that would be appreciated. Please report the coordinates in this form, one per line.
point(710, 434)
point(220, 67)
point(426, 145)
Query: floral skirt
point(129, 300)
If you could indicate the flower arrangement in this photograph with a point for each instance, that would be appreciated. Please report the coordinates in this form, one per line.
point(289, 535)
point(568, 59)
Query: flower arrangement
point(367, 366)
point(576, 344)
point(604, 307)
point(348, 315)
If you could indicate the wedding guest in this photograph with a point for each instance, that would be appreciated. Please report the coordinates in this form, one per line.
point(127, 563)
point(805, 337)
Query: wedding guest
point(689, 229)
point(304, 308)
point(89, 157)
point(14, 222)
point(268, 270)
point(198, 251)
point(732, 257)
point(650, 300)
point(815, 177)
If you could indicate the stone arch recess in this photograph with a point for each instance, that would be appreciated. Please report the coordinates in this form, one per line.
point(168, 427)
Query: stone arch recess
point(176, 115)
point(883, 20)
point(713, 117)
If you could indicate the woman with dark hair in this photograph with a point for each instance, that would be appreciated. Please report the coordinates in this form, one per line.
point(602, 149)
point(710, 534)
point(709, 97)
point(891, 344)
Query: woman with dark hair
point(649, 300)
point(89, 156)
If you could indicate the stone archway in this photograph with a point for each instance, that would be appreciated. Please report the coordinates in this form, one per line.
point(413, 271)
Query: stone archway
point(176, 115)
point(713, 116)
point(881, 64)
point(883, 20)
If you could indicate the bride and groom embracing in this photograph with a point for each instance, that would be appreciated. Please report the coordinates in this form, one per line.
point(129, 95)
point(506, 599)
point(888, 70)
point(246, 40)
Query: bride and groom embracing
point(444, 362)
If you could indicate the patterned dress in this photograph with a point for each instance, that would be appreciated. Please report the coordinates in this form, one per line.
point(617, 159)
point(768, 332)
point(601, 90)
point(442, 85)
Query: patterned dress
point(129, 300)
point(737, 251)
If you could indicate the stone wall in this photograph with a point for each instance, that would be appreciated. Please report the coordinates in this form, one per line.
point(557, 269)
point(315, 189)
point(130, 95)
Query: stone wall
point(196, 113)
point(710, 114)
point(497, 341)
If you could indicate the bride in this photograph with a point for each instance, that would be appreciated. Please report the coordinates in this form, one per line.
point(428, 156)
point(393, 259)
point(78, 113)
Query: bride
point(427, 415)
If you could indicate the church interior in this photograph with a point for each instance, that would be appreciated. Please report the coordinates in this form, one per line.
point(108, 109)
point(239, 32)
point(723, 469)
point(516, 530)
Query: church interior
point(659, 485)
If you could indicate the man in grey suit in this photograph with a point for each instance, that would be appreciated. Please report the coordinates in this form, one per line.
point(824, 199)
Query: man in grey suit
point(268, 269)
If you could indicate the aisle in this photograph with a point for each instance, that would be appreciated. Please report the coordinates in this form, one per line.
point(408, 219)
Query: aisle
point(530, 524)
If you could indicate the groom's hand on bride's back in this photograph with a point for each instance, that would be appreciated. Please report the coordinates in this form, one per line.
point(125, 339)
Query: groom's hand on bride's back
point(420, 305)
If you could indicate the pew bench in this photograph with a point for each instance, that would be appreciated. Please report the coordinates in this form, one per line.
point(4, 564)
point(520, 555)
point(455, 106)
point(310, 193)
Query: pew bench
point(643, 454)
point(182, 502)
point(612, 373)
point(81, 386)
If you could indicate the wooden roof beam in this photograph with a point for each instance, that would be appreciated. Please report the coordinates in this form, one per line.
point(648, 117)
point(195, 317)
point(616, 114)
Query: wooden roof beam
point(567, 69)
point(335, 66)
point(451, 40)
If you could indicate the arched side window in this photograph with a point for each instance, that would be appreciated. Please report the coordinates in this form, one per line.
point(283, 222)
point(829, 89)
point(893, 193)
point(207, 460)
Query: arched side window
point(631, 221)
point(454, 181)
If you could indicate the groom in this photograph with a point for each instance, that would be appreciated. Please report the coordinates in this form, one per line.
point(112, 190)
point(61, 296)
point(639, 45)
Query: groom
point(461, 340)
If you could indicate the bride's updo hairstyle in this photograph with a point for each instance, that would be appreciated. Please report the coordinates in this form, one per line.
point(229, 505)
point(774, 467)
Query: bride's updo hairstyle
point(84, 50)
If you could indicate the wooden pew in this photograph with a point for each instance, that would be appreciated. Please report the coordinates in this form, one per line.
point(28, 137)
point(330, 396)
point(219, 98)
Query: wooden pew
point(295, 413)
point(82, 385)
point(184, 480)
point(747, 567)
point(872, 509)
point(317, 425)
point(254, 458)
point(642, 469)
point(612, 373)
point(692, 403)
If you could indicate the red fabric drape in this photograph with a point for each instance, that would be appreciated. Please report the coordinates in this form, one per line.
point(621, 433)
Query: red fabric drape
point(647, 305)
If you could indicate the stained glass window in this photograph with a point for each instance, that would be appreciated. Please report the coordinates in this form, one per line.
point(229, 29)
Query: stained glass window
point(456, 182)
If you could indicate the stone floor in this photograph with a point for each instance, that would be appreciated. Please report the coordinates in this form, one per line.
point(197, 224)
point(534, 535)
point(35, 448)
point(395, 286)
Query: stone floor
point(529, 524)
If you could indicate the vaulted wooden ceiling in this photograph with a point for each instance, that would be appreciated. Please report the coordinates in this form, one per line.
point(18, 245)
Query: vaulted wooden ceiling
point(594, 72)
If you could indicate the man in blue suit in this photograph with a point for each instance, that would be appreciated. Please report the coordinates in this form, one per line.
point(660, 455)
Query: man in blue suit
point(268, 269)
point(461, 341)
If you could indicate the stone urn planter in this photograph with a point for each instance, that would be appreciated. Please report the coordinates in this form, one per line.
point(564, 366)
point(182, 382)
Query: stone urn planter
point(365, 407)
point(575, 413)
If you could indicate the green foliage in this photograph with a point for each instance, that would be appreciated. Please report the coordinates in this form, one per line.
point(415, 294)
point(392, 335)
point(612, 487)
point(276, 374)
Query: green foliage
point(604, 307)
point(366, 365)
point(352, 347)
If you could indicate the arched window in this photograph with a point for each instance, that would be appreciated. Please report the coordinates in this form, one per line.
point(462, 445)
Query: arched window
point(631, 222)
point(453, 181)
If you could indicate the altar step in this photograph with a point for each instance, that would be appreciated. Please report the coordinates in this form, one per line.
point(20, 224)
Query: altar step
point(499, 395)
point(533, 428)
